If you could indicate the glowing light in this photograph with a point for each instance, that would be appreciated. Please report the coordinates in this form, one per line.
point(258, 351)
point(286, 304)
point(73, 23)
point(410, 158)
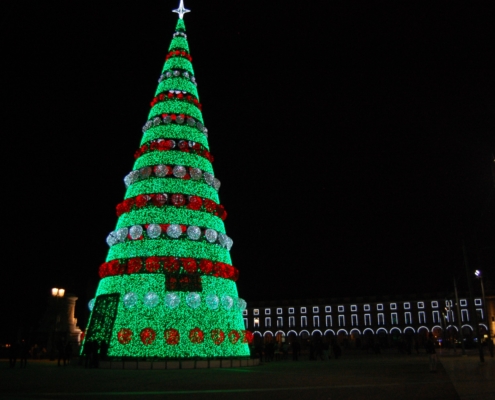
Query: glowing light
point(181, 10)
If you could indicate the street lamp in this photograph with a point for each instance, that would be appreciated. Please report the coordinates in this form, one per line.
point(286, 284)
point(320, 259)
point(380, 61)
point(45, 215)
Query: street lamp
point(58, 292)
point(479, 275)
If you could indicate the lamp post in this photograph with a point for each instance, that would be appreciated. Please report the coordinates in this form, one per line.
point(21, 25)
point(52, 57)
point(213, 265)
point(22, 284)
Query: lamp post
point(479, 275)
point(57, 295)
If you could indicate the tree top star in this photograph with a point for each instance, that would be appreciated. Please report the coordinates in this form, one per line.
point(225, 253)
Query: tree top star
point(181, 10)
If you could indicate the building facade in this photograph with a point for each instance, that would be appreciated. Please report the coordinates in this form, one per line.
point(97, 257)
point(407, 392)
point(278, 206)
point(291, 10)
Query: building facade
point(350, 319)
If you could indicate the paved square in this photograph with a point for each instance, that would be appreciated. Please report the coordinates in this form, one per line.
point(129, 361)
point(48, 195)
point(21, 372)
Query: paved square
point(355, 376)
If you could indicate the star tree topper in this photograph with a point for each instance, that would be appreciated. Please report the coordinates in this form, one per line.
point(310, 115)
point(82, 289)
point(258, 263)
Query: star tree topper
point(181, 10)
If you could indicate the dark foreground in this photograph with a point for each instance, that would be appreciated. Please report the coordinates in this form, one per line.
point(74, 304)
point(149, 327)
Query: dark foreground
point(352, 377)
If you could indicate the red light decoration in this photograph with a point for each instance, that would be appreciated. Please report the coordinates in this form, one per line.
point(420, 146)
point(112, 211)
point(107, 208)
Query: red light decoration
point(218, 336)
point(147, 336)
point(196, 336)
point(172, 336)
point(124, 336)
point(234, 336)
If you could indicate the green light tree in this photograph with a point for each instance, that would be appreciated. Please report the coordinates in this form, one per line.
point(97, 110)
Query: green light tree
point(168, 285)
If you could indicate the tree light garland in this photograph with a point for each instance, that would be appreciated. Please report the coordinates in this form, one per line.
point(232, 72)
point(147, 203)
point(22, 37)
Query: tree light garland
point(167, 288)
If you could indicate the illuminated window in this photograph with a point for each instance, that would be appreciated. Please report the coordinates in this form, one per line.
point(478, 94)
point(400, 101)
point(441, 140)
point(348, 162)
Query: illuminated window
point(328, 309)
point(354, 320)
point(280, 322)
point(393, 306)
point(245, 312)
point(256, 322)
point(408, 318)
point(245, 323)
point(434, 304)
point(395, 320)
point(279, 311)
point(328, 320)
point(381, 319)
point(421, 304)
point(354, 308)
point(304, 321)
point(463, 302)
point(479, 311)
point(477, 302)
point(436, 317)
point(268, 322)
point(316, 321)
point(367, 319)
point(367, 307)
point(465, 315)
point(340, 308)
point(341, 320)
point(303, 310)
point(316, 309)
point(292, 322)
point(291, 310)
point(256, 311)
point(407, 306)
point(268, 311)
point(422, 317)
point(379, 307)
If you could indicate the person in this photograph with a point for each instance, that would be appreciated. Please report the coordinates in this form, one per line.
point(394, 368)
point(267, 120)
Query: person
point(285, 350)
point(23, 353)
point(326, 350)
point(61, 350)
point(337, 351)
point(13, 349)
point(68, 353)
point(296, 348)
point(430, 350)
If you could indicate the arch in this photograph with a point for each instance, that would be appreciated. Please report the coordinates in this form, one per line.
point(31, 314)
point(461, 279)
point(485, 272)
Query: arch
point(355, 329)
point(282, 332)
point(342, 330)
point(409, 327)
point(303, 331)
point(316, 330)
point(368, 329)
point(291, 331)
point(268, 332)
point(437, 327)
point(423, 327)
point(257, 333)
point(467, 326)
point(381, 329)
point(453, 326)
point(329, 331)
point(395, 329)
point(484, 326)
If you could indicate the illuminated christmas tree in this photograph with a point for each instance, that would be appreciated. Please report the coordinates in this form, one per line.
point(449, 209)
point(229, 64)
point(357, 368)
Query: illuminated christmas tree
point(168, 285)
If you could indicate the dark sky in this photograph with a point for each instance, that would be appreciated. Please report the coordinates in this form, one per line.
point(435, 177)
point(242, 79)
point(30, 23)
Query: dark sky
point(354, 142)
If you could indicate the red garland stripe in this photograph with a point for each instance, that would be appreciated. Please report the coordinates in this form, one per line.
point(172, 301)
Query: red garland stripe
point(178, 53)
point(158, 200)
point(179, 96)
point(168, 145)
point(168, 264)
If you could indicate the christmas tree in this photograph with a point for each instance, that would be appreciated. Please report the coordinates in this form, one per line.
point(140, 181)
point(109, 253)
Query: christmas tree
point(168, 288)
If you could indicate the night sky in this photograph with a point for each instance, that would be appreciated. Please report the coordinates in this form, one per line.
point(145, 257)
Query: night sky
point(354, 142)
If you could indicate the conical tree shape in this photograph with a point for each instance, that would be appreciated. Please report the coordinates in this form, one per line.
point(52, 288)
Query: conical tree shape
point(168, 285)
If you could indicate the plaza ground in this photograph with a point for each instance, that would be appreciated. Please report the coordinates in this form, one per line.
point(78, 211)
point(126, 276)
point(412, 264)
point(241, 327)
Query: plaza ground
point(354, 376)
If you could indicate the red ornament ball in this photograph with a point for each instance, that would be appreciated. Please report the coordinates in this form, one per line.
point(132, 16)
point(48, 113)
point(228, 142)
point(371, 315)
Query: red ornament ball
point(196, 336)
point(178, 200)
point(172, 336)
point(234, 336)
point(124, 336)
point(147, 336)
point(217, 336)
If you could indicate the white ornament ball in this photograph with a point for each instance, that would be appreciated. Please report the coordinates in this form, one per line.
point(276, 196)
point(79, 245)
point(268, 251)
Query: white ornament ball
point(211, 235)
point(130, 300)
point(174, 231)
point(227, 302)
point(172, 300)
point(212, 301)
point(135, 232)
point(154, 231)
point(193, 232)
point(151, 299)
point(193, 300)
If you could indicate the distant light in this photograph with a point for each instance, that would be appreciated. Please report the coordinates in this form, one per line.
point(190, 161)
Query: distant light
point(58, 292)
point(477, 273)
